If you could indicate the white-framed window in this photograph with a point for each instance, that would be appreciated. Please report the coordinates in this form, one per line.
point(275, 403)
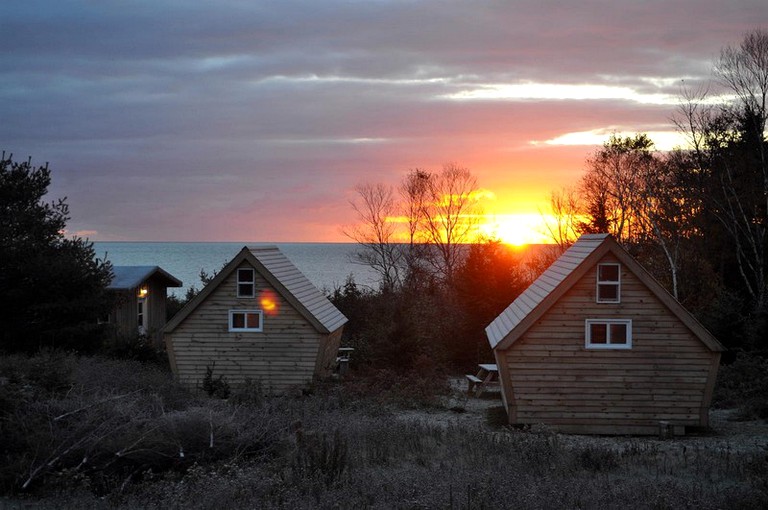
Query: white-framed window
point(608, 283)
point(608, 334)
point(246, 282)
point(246, 320)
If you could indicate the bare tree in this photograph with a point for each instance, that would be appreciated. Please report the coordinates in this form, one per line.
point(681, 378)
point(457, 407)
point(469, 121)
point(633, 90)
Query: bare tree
point(565, 210)
point(609, 187)
point(744, 70)
point(441, 214)
point(729, 142)
point(450, 217)
point(375, 232)
point(693, 115)
point(664, 212)
point(414, 191)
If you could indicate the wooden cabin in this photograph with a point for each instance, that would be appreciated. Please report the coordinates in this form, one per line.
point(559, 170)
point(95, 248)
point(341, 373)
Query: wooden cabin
point(596, 345)
point(140, 294)
point(261, 319)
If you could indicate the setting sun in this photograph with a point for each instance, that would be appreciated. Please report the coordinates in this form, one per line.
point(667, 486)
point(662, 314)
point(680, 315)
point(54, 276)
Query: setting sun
point(516, 229)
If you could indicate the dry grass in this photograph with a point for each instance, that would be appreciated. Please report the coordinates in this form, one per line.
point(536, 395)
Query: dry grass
point(128, 425)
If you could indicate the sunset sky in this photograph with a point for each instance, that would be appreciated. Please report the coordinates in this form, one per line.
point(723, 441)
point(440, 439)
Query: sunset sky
point(246, 120)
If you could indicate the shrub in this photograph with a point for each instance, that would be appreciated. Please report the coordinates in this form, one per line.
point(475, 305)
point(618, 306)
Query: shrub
point(744, 384)
point(412, 389)
point(98, 445)
point(116, 421)
point(50, 371)
point(136, 347)
point(215, 387)
point(249, 393)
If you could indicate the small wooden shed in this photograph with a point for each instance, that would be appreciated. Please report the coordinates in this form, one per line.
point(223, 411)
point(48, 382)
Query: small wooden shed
point(596, 345)
point(261, 319)
point(140, 294)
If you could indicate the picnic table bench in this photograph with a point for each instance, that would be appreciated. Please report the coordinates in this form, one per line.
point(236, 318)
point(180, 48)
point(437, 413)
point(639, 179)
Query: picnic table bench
point(342, 359)
point(487, 375)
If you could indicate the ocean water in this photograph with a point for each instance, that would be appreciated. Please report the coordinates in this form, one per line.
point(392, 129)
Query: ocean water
point(327, 265)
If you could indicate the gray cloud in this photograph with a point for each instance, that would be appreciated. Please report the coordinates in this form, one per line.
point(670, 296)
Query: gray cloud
point(246, 120)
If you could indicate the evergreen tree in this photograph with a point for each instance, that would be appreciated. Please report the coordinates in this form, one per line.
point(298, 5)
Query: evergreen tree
point(53, 287)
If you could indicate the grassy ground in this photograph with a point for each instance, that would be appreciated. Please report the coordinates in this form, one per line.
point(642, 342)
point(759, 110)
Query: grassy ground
point(98, 433)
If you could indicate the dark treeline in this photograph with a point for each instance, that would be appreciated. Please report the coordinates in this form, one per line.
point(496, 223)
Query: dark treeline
point(440, 288)
point(427, 324)
point(696, 218)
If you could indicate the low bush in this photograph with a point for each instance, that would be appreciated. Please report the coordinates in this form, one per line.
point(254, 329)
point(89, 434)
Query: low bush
point(215, 386)
point(136, 347)
point(744, 384)
point(415, 388)
point(121, 434)
point(66, 418)
point(49, 372)
point(251, 392)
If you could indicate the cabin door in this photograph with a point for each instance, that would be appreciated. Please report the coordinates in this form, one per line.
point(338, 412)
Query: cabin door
point(142, 315)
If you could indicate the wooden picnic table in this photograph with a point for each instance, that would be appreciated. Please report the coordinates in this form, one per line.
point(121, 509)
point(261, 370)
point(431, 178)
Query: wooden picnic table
point(487, 375)
point(342, 359)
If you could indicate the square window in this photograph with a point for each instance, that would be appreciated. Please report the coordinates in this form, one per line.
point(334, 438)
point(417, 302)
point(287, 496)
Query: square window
point(608, 283)
point(253, 321)
point(238, 321)
point(618, 333)
point(598, 333)
point(246, 283)
point(608, 272)
point(607, 293)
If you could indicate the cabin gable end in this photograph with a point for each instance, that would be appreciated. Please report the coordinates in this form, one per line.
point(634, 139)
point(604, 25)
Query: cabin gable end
point(607, 350)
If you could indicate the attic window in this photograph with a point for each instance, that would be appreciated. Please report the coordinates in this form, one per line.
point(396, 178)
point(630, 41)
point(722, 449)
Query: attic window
point(245, 320)
point(608, 334)
point(246, 283)
point(608, 283)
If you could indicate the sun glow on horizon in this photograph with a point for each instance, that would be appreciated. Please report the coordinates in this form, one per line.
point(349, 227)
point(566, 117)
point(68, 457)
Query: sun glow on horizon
point(510, 220)
point(516, 229)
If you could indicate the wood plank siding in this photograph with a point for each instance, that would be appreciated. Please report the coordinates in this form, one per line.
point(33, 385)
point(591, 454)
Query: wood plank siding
point(293, 347)
point(283, 355)
point(556, 380)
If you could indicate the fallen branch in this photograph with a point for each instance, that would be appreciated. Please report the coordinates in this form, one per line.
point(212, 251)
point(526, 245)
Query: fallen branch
point(70, 413)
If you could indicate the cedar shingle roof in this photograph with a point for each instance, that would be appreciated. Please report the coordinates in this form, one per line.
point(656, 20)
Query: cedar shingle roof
point(299, 286)
point(131, 277)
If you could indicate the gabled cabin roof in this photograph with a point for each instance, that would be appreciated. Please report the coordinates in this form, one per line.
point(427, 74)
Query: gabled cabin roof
point(285, 278)
point(131, 277)
point(571, 266)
